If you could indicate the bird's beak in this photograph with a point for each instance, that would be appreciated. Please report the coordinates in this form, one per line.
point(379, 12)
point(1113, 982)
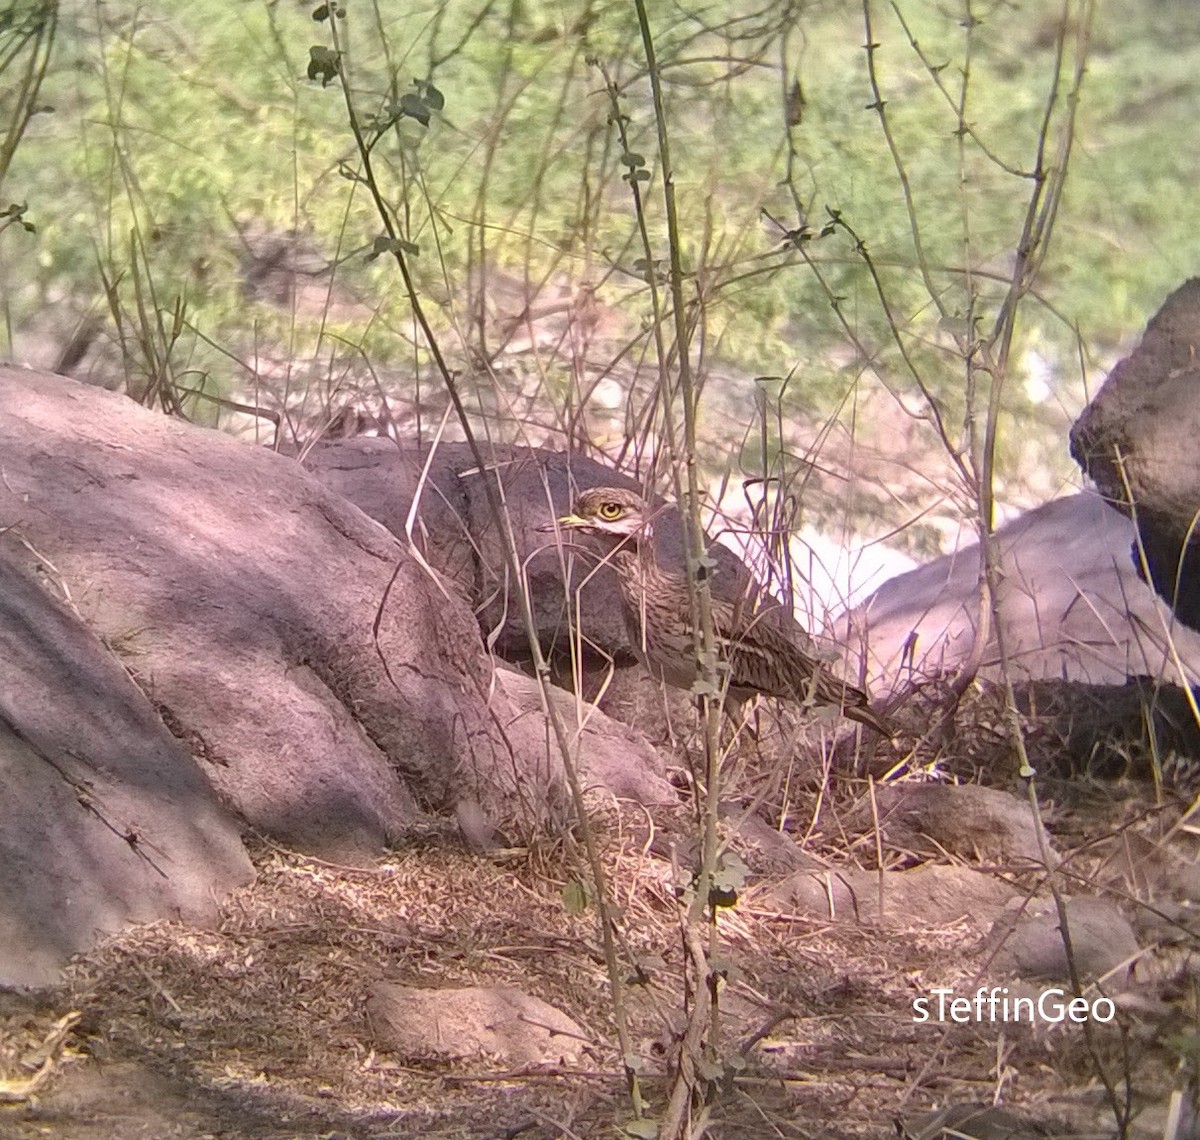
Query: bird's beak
point(565, 522)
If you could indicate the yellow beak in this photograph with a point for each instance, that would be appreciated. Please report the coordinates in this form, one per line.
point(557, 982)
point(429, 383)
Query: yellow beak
point(567, 522)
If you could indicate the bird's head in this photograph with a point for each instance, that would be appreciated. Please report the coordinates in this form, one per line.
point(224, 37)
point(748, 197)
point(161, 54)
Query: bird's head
point(609, 511)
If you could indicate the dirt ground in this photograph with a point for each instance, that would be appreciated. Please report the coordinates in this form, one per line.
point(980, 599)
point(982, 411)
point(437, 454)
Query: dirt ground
point(257, 1029)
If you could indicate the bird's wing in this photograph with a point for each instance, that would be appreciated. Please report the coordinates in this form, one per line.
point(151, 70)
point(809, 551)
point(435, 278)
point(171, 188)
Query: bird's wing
point(765, 658)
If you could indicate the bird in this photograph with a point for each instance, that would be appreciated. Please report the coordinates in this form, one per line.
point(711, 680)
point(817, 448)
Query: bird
point(761, 659)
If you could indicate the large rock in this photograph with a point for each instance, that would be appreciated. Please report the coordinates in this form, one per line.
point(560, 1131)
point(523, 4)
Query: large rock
point(611, 756)
point(242, 595)
point(929, 821)
point(1028, 941)
point(497, 1024)
point(105, 819)
point(929, 895)
point(333, 687)
point(1138, 441)
point(1071, 604)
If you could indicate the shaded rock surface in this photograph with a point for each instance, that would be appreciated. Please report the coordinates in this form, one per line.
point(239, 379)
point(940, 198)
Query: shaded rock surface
point(930, 821)
point(1138, 440)
point(933, 894)
point(121, 1098)
point(1071, 603)
point(610, 755)
point(1113, 731)
point(325, 684)
point(764, 848)
point(106, 819)
point(1029, 941)
point(210, 565)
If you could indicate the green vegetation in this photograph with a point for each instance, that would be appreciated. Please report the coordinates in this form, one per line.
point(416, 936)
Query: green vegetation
point(187, 142)
point(865, 288)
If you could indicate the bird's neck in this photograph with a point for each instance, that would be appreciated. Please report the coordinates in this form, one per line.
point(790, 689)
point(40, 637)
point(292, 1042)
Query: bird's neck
point(630, 553)
point(640, 573)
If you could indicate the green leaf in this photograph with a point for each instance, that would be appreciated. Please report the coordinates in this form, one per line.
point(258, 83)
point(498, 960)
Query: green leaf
point(955, 326)
point(17, 213)
point(634, 1062)
point(415, 108)
point(643, 1129)
point(709, 1070)
point(729, 877)
point(324, 64)
point(381, 245)
point(648, 270)
point(733, 869)
point(1185, 1044)
point(433, 97)
point(575, 896)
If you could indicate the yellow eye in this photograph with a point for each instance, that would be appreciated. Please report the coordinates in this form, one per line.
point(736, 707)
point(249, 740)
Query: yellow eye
point(610, 512)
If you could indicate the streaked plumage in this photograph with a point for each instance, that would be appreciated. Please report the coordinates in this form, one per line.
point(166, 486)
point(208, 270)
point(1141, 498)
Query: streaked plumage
point(760, 657)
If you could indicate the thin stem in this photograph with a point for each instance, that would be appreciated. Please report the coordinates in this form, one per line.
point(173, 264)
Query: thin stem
point(493, 491)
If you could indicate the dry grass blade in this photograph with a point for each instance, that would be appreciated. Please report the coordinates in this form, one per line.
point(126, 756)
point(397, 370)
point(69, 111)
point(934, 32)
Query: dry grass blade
point(44, 1059)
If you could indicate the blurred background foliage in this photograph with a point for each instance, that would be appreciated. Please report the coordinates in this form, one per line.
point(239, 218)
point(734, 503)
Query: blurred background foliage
point(200, 218)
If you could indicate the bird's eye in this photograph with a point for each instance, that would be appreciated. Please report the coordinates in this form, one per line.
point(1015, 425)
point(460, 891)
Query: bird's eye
point(610, 512)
